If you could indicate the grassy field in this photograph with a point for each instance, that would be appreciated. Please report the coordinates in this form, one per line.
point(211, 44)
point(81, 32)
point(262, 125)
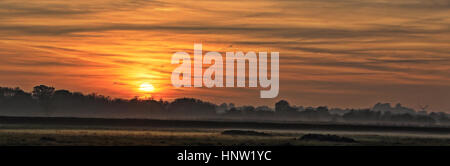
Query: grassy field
point(29, 133)
point(126, 137)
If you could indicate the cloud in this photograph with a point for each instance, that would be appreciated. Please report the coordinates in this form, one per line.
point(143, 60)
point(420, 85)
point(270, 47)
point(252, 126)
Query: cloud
point(55, 9)
point(325, 45)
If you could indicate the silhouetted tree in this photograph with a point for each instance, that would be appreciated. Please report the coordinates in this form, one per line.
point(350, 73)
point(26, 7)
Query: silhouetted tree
point(283, 107)
point(44, 94)
point(191, 107)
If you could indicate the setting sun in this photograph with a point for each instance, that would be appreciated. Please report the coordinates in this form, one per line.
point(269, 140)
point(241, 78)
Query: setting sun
point(145, 87)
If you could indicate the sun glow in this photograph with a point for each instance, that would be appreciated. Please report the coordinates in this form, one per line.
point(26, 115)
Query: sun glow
point(146, 87)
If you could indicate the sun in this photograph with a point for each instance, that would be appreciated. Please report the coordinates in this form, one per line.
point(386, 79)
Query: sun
point(146, 87)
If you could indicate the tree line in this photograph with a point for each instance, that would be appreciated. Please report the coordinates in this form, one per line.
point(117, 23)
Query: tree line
point(47, 101)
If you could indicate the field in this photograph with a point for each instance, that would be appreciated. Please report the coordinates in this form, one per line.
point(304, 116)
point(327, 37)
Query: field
point(133, 132)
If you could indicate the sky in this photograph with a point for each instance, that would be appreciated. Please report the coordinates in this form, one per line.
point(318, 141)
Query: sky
point(339, 53)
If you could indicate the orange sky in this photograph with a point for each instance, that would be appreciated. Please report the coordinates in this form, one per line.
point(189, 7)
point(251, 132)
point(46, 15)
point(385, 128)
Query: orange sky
point(350, 53)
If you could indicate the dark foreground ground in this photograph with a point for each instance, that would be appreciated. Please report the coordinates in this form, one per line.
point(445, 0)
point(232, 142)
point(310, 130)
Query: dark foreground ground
point(123, 132)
